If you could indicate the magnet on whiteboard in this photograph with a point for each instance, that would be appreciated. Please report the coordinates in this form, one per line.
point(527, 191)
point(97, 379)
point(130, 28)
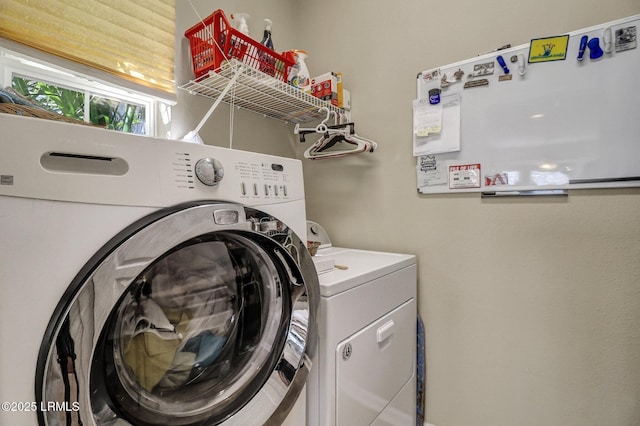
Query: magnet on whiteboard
point(503, 64)
point(595, 51)
point(434, 96)
point(521, 69)
point(476, 83)
point(583, 47)
point(607, 39)
point(626, 39)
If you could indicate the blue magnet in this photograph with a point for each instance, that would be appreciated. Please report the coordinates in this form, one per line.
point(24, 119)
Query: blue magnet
point(503, 64)
point(434, 96)
point(594, 48)
point(583, 46)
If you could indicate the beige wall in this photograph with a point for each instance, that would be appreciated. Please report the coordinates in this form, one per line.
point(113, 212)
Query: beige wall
point(531, 306)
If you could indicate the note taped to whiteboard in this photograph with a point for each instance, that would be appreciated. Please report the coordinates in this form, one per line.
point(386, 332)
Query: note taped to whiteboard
point(447, 139)
point(464, 176)
point(427, 118)
point(430, 171)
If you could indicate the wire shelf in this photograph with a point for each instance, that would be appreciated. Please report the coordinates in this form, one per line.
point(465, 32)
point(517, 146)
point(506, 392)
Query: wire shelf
point(256, 91)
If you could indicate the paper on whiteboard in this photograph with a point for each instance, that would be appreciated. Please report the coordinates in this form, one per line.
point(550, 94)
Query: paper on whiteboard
point(430, 171)
point(448, 139)
point(427, 118)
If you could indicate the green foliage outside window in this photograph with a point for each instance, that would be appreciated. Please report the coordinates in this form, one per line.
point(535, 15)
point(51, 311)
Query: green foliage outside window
point(111, 113)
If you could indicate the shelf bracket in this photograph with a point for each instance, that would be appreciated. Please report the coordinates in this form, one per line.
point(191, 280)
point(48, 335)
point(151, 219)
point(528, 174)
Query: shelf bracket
point(219, 99)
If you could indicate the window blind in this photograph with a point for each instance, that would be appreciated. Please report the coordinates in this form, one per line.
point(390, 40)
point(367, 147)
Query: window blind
point(132, 39)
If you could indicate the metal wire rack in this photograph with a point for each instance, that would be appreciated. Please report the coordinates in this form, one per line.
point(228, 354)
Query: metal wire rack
point(256, 91)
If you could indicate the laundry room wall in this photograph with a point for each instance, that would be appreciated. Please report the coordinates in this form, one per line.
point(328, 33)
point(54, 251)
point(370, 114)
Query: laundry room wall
point(531, 306)
point(250, 131)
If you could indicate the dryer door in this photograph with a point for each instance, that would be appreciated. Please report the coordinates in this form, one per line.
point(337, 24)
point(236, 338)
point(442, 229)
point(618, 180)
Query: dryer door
point(191, 316)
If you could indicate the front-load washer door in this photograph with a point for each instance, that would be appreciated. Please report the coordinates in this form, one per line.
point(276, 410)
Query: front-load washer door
point(199, 315)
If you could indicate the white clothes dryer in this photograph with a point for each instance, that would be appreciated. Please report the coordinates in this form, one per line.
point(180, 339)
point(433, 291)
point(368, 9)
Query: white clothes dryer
point(365, 369)
point(150, 282)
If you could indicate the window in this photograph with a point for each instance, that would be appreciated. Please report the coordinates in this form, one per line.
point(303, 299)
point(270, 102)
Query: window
point(109, 112)
point(78, 96)
point(108, 63)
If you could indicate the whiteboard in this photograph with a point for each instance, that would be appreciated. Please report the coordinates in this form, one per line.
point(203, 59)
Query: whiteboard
point(563, 124)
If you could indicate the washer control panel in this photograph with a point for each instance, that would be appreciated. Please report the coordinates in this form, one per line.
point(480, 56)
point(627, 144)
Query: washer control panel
point(73, 163)
point(220, 173)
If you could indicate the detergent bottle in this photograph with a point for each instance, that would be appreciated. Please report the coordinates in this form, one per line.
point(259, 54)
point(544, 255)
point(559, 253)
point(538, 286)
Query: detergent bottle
point(301, 79)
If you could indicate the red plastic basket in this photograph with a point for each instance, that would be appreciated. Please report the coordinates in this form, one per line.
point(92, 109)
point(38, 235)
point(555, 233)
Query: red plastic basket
point(214, 40)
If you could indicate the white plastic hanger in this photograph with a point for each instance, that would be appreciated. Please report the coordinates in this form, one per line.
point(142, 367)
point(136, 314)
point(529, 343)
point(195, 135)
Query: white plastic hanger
point(320, 128)
point(331, 136)
point(354, 145)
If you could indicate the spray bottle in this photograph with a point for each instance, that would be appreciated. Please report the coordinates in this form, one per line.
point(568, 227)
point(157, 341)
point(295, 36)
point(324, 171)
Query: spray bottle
point(267, 41)
point(299, 76)
point(267, 62)
point(240, 22)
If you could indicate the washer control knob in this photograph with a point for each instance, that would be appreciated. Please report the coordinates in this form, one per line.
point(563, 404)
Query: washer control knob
point(209, 171)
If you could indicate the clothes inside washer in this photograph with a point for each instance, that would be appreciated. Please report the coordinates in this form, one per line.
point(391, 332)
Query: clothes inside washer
point(175, 325)
point(161, 357)
point(150, 357)
point(153, 345)
point(196, 355)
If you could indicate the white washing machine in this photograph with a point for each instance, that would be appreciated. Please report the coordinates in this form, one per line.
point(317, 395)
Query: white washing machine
point(366, 359)
point(150, 282)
